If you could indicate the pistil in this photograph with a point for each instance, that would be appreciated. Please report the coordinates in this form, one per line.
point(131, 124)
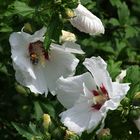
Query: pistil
point(100, 97)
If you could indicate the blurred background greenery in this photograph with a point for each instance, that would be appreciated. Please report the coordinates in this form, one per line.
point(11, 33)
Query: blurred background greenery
point(119, 46)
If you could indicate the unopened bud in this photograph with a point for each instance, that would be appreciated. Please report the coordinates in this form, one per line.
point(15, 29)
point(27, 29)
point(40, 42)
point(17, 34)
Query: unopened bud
point(28, 28)
point(69, 13)
point(125, 101)
point(134, 113)
point(67, 36)
point(104, 134)
point(20, 89)
point(46, 121)
point(121, 76)
point(136, 99)
point(70, 135)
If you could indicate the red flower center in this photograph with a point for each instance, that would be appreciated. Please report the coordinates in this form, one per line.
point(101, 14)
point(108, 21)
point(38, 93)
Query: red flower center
point(37, 52)
point(100, 96)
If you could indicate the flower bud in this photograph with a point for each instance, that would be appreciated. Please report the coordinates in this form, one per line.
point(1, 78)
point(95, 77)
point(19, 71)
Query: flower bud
point(20, 89)
point(136, 99)
point(104, 134)
point(125, 101)
point(27, 28)
point(67, 36)
point(70, 135)
point(46, 121)
point(69, 13)
point(134, 113)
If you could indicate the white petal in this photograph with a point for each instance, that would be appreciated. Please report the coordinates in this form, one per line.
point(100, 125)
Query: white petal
point(61, 63)
point(69, 47)
point(77, 118)
point(73, 47)
point(96, 118)
point(38, 35)
point(97, 66)
point(119, 92)
point(86, 22)
point(80, 118)
point(18, 43)
point(70, 89)
point(40, 82)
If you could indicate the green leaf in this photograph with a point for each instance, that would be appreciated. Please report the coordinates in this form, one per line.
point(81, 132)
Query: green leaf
point(23, 131)
point(84, 2)
point(49, 109)
point(114, 68)
point(116, 3)
point(114, 22)
point(123, 13)
point(53, 31)
point(130, 32)
point(38, 111)
point(5, 28)
point(133, 77)
point(22, 8)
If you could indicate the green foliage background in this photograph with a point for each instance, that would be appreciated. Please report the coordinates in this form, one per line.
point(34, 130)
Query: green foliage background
point(21, 111)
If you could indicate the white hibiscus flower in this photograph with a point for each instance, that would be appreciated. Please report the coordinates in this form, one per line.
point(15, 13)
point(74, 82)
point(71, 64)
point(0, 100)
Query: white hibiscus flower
point(89, 96)
point(38, 69)
point(86, 22)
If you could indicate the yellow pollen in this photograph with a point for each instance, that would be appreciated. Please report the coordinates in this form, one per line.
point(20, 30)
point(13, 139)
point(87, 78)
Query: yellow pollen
point(100, 99)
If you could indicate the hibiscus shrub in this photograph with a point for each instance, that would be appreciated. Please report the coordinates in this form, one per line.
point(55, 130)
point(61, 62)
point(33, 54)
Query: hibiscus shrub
point(70, 70)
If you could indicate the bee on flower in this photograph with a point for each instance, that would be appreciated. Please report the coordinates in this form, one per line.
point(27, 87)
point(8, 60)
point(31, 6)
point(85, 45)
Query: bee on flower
point(37, 68)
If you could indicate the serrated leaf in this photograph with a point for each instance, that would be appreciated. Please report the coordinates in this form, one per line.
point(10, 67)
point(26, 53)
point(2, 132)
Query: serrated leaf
point(5, 28)
point(53, 31)
point(49, 109)
point(133, 74)
point(133, 77)
point(114, 22)
point(38, 111)
point(130, 32)
point(116, 3)
point(123, 13)
point(23, 131)
point(84, 2)
point(22, 8)
point(114, 68)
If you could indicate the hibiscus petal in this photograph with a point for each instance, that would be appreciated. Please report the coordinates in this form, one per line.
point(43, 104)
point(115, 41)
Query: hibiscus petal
point(86, 22)
point(119, 92)
point(18, 43)
point(77, 118)
point(71, 88)
point(80, 118)
point(119, 89)
point(61, 63)
point(38, 35)
point(70, 47)
point(97, 66)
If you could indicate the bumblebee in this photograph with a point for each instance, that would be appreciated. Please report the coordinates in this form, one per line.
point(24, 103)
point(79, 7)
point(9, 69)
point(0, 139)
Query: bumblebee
point(34, 58)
